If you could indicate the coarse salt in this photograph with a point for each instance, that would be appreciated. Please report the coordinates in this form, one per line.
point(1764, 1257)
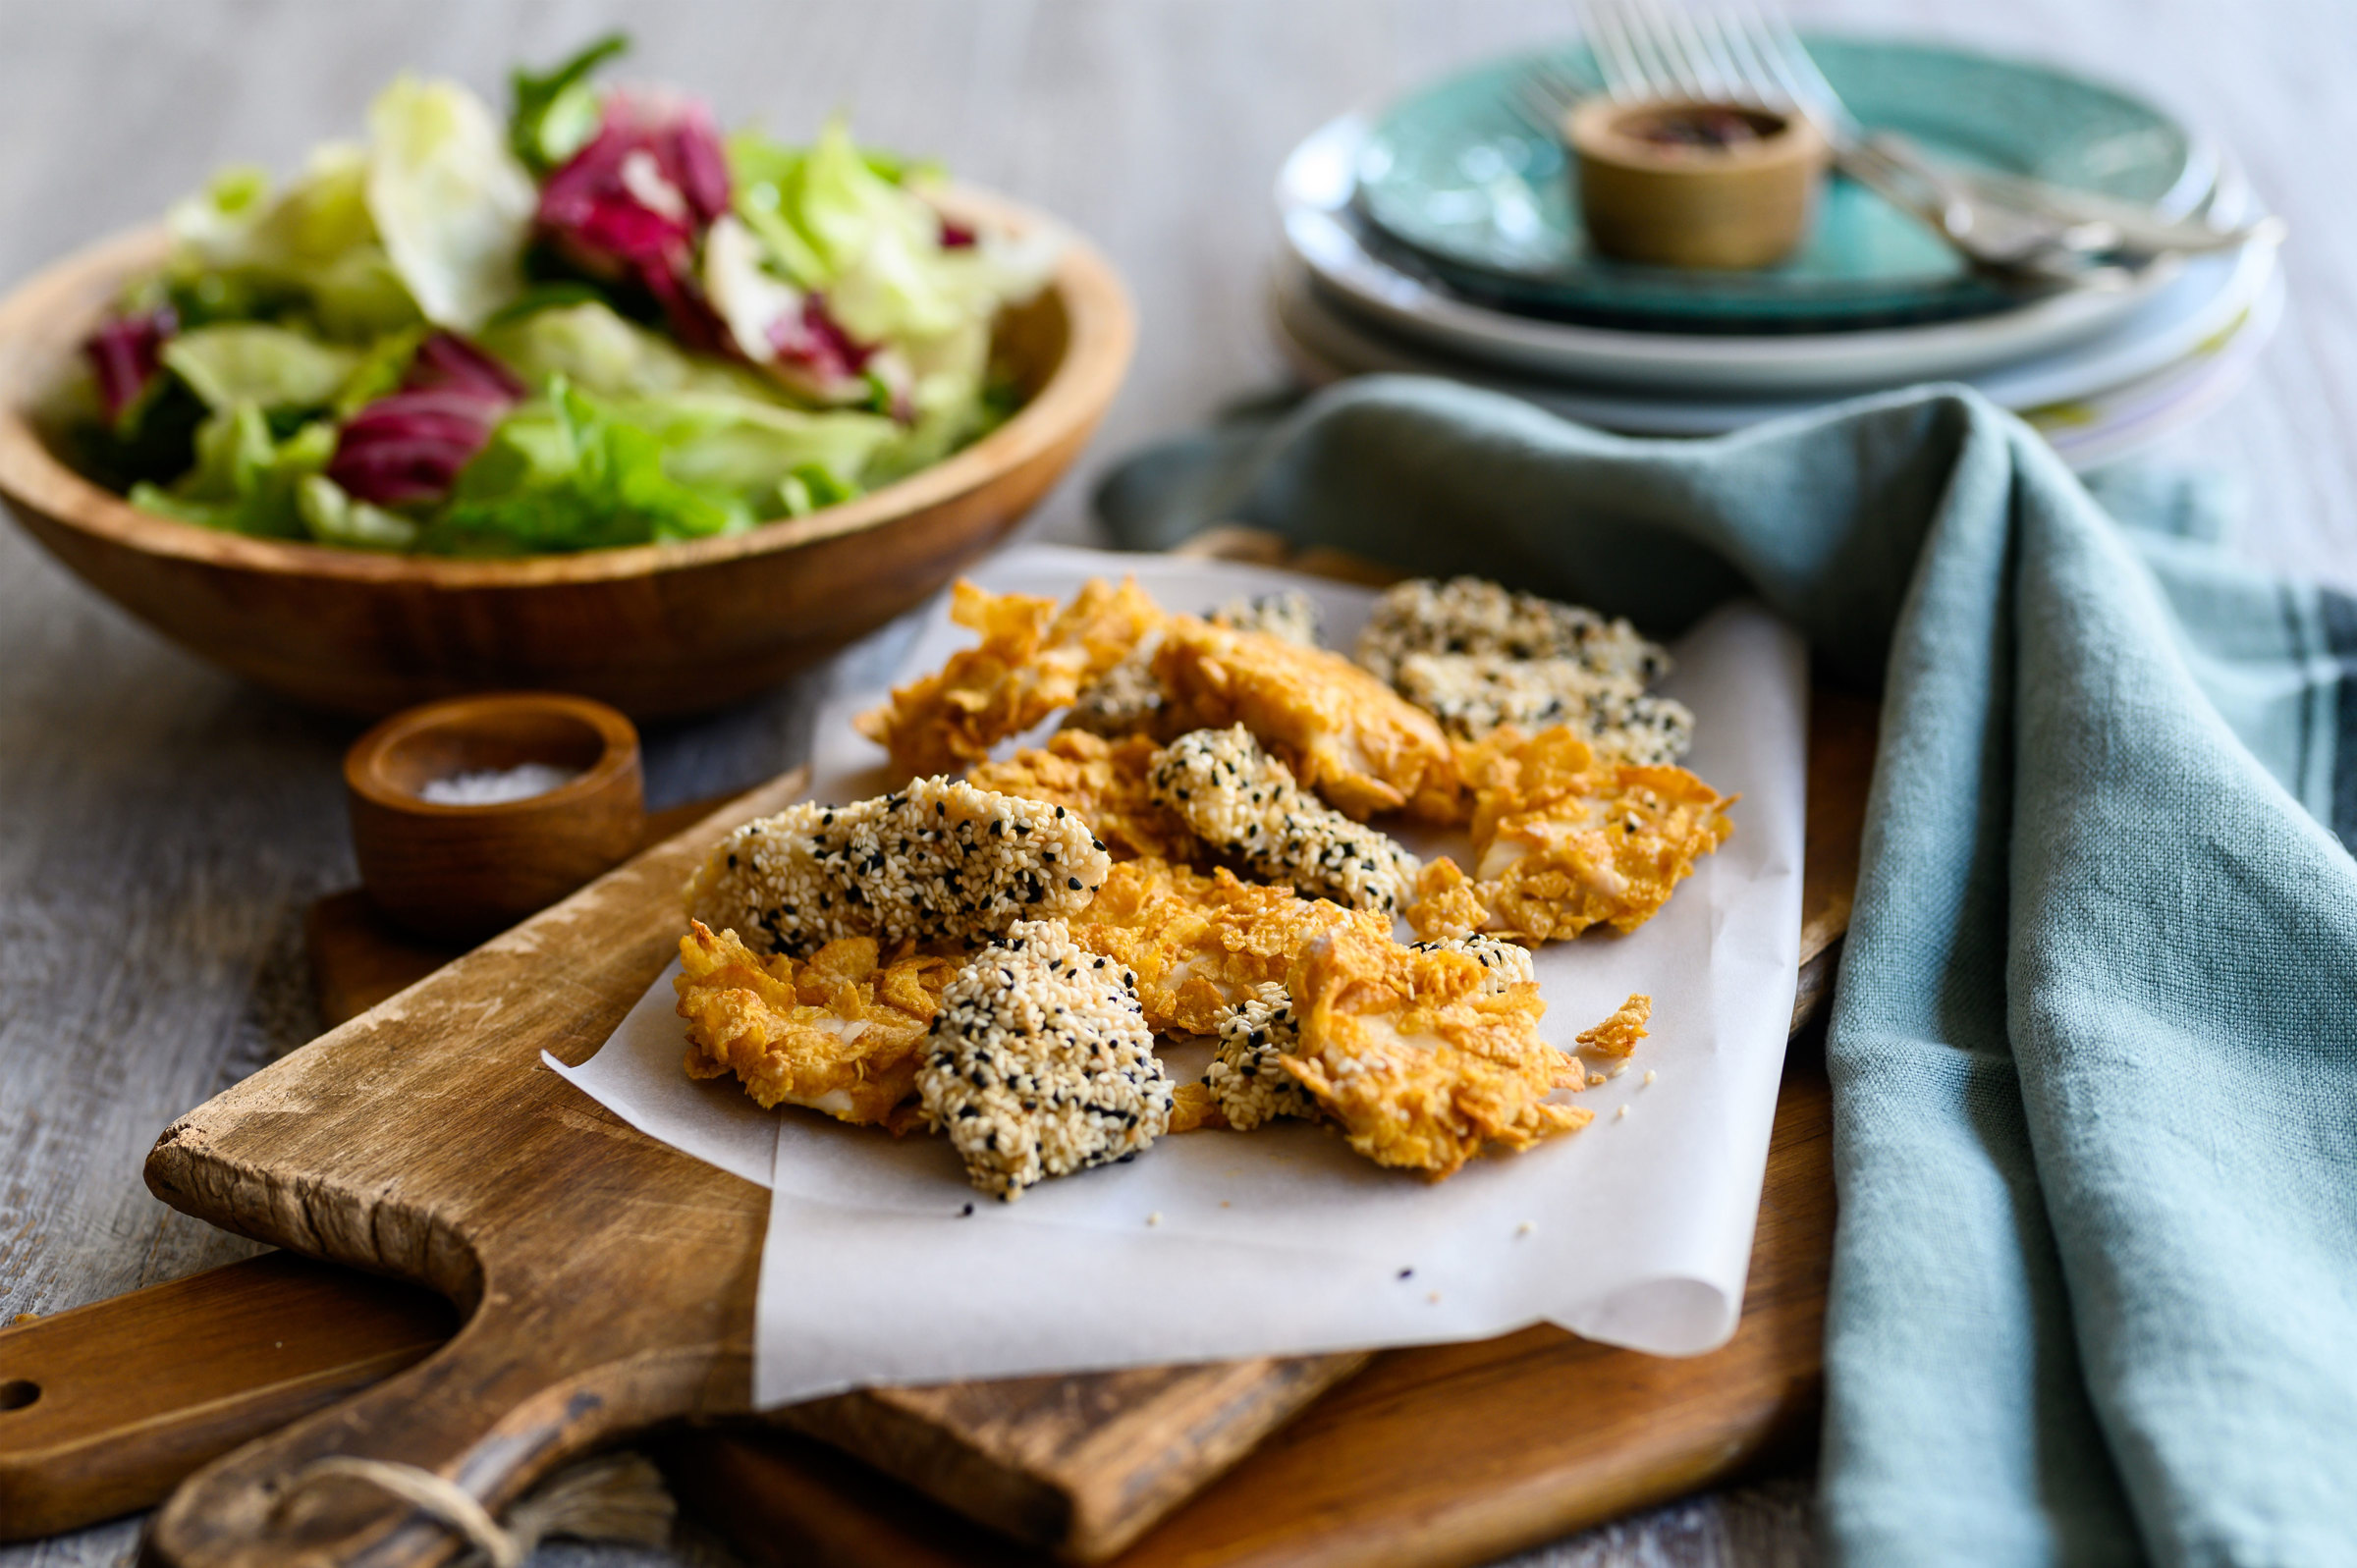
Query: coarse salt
point(496, 787)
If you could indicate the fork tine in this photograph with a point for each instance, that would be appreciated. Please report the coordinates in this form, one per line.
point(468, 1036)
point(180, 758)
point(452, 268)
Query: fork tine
point(1682, 28)
point(1710, 29)
point(1786, 61)
point(1617, 62)
point(1752, 64)
point(1660, 35)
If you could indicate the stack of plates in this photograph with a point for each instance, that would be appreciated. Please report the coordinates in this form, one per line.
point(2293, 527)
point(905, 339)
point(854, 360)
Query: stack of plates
point(1443, 236)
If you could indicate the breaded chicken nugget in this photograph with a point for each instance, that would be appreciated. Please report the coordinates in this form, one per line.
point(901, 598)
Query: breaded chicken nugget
point(938, 861)
point(1034, 660)
point(1242, 802)
point(1344, 733)
point(1201, 942)
point(1563, 841)
point(843, 1033)
point(1421, 1054)
point(1040, 1062)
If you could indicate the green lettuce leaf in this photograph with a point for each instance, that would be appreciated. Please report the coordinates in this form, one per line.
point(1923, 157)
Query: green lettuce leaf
point(573, 475)
point(593, 347)
point(556, 114)
point(245, 480)
point(241, 252)
point(251, 362)
point(718, 442)
point(334, 518)
point(451, 203)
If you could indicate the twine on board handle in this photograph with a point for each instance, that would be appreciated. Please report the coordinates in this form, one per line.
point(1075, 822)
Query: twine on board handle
point(618, 1496)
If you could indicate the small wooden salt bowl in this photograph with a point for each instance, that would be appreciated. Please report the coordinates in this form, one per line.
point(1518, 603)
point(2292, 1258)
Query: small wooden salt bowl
point(1647, 196)
point(460, 873)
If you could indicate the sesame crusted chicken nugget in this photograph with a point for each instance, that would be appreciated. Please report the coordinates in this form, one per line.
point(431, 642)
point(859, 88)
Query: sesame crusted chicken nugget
point(1565, 840)
point(1126, 700)
point(1287, 614)
point(1247, 1080)
point(1421, 1056)
point(1033, 658)
point(1472, 694)
point(1242, 802)
point(1202, 941)
point(1105, 782)
point(1040, 1063)
point(1342, 732)
point(941, 861)
point(1470, 615)
point(842, 1033)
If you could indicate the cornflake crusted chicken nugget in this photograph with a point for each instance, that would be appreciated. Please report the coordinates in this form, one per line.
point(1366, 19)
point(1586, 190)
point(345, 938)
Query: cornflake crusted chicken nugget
point(1247, 1080)
point(1040, 1062)
point(1242, 801)
point(842, 1034)
point(940, 861)
point(1033, 658)
point(1199, 942)
point(1563, 841)
point(1469, 616)
point(1421, 1057)
point(1342, 732)
point(1128, 699)
point(1508, 963)
point(1106, 782)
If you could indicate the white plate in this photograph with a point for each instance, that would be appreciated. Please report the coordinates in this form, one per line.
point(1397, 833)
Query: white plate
point(2089, 426)
point(2159, 316)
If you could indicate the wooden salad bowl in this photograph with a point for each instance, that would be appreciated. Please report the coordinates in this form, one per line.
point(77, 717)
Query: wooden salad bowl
point(654, 629)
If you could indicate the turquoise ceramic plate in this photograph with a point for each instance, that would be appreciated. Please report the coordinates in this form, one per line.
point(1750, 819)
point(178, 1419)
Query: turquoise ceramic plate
point(1460, 176)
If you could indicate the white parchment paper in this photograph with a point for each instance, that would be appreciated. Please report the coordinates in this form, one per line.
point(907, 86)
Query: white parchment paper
point(882, 1265)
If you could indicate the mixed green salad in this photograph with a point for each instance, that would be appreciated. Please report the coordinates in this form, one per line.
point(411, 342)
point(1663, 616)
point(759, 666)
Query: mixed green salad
point(602, 323)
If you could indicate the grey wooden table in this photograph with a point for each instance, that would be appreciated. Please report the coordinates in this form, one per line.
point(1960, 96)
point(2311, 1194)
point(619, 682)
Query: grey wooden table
point(162, 828)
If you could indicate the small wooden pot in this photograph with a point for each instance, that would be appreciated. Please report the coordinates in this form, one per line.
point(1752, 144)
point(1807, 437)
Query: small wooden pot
point(460, 873)
point(1647, 196)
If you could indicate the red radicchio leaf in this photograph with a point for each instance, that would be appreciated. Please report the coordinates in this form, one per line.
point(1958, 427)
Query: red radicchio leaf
point(446, 360)
point(125, 352)
point(408, 446)
point(635, 201)
point(956, 236)
point(815, 344)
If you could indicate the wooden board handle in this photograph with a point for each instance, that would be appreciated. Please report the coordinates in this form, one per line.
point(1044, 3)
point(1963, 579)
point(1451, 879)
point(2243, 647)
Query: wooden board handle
point(112, 1403)
point(514, 1397)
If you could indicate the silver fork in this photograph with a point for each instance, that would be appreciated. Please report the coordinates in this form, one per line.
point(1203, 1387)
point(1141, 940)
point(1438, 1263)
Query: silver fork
point(2009, 224)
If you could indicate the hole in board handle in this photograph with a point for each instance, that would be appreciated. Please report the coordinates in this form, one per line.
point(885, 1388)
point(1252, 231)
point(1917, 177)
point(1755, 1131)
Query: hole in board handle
point(17, 1392)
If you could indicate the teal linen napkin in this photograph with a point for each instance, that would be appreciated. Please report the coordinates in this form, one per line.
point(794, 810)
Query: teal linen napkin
point(2093, 1046)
